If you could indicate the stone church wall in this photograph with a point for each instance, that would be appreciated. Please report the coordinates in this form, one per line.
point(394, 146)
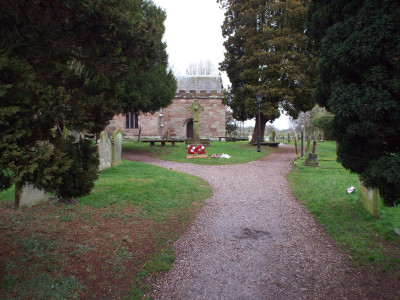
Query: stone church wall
point(173, 120)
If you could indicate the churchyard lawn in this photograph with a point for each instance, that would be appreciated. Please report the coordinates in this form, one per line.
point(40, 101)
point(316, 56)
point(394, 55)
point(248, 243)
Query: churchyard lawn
point(240, 152)
point(368, 241)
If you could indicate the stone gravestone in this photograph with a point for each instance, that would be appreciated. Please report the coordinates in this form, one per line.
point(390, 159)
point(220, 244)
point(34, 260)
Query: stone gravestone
point(104, 149)
point(29, 196)
point(196, 108)
point(116, 149)
point(369, 199)
point(312, 159)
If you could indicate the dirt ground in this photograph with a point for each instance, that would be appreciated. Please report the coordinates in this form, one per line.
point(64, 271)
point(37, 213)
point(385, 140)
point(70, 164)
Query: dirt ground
point(102, 251)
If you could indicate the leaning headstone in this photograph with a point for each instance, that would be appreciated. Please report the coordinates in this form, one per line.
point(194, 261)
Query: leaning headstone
point(29, 196)
point(116, 142)
point(104, 149)
point(369, 199)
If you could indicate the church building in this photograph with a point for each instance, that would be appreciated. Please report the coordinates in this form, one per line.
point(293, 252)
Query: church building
point(176, 121)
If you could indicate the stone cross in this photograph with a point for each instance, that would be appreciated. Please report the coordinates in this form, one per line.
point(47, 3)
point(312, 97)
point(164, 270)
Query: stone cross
point(196, 108)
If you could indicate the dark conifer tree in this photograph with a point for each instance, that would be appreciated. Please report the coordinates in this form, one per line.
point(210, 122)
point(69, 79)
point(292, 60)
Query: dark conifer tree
point(266, 51)
point(71, 64)
point(359, 82)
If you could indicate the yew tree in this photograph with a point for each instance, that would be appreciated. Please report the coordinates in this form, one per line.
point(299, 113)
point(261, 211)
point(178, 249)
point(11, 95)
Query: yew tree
point(71, 64)
point(266, 50)
point(359, 82)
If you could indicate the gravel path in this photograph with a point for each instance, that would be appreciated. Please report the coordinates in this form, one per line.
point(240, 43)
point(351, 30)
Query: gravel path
point(253, 240)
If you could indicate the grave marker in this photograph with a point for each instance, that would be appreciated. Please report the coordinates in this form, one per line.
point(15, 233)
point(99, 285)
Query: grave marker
point(29, 196)
point(116, 142)
point(196, 108)
point(369, 199)
point(104, 149)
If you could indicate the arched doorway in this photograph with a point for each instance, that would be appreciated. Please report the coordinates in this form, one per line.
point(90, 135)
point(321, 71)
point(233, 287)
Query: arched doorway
point(189, 129)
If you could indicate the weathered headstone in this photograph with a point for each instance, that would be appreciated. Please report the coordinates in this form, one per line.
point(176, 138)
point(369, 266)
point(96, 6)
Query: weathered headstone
point(312, 159)
point(104, 149)
point(273, 136)
point(116, 142)
point(369, 199)
point(196, 108)
point(29, 196)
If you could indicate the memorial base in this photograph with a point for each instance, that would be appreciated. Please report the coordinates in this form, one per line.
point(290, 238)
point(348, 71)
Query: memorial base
point(190, 156)
point(312, 160)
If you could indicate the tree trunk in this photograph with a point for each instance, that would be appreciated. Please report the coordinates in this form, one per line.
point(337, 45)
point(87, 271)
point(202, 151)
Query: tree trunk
point(262, 131)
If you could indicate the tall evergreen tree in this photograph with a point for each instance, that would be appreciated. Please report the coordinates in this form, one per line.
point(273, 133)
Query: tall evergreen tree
point(67, 63)
point(359, 82)
point(266, 51)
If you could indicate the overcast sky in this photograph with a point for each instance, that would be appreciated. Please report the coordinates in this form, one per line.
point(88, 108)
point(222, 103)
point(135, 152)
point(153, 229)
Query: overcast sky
point(193, 34)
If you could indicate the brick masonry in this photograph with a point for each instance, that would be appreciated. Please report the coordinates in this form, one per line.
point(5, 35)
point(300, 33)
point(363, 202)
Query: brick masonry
point(173, 119)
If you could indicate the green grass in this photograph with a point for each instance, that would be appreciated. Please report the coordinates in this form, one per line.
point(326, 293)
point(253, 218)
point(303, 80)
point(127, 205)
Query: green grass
point(240, 152)
point(8, 195)
point(322, 190)
point(154, 190)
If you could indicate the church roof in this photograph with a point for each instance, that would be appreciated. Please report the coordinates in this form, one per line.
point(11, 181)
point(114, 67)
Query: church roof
point(199, 83)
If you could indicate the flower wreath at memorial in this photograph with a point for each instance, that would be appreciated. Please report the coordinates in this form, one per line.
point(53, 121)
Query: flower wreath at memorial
point(199, 149)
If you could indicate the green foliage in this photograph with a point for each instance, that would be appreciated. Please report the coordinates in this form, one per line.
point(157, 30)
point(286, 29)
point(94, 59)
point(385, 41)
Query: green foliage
point(266, 51)
point(73, 64)
point(322, 190)
point(325, 123)
point(359, 82)
point(154, 87)
point(79, 180)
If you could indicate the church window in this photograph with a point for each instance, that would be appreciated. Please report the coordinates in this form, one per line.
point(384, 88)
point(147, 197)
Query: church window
point(132, 120)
